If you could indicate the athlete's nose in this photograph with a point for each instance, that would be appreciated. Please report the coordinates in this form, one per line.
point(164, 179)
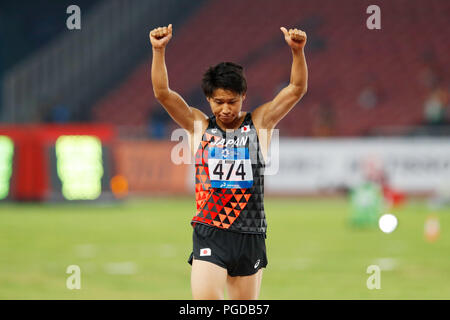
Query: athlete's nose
point(225, 113)
point(226, 110)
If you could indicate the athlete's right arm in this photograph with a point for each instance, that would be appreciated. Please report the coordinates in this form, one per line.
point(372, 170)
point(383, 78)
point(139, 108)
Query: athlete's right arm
point(174, 104)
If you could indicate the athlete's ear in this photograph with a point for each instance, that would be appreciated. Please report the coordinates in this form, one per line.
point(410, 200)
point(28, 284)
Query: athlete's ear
point(243, 96)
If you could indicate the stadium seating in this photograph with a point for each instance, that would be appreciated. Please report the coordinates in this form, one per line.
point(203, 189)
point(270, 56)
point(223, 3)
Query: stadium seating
point(343, 58)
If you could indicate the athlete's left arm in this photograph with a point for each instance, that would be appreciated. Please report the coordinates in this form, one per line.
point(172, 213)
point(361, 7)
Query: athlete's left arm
point(269, 114)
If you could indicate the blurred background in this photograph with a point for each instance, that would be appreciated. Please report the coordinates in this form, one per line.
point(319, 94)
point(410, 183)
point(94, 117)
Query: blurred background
point(85, 176)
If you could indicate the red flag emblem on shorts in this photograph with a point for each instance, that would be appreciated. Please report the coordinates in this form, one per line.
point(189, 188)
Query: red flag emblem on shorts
point(205, 252)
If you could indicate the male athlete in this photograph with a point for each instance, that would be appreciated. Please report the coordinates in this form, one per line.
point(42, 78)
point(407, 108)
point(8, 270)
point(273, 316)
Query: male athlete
point(229, 148)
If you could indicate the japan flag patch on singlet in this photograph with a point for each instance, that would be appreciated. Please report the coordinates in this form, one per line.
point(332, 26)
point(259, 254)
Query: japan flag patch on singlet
point(245, 128)
point(205, 252)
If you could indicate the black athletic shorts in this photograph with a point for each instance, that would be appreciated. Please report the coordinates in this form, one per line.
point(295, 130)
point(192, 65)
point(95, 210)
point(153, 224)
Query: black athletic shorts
point(242, 254)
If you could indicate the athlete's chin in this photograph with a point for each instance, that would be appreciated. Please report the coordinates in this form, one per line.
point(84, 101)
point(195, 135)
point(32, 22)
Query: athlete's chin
point(227, 119)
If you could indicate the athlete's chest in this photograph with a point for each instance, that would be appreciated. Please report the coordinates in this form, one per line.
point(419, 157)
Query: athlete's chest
point(228, 156)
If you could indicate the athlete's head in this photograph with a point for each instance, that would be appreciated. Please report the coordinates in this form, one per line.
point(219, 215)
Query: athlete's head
point(225, 87)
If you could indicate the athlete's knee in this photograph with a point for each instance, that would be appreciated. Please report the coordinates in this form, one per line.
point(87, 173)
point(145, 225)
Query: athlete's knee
point(243, 293)
point(205, 290)
point(207, 294)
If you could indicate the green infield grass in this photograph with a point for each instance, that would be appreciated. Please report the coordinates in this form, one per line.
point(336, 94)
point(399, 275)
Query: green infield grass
point(138, 249)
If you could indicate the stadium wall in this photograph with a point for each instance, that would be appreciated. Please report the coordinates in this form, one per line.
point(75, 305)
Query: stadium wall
point(411, 165)
point(416, 166)
point(144, 167)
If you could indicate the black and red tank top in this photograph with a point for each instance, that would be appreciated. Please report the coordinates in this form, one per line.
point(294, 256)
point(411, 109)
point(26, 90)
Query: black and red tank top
point(229, 179)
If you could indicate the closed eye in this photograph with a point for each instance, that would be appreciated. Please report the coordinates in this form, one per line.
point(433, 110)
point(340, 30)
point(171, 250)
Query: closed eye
point(222, 102)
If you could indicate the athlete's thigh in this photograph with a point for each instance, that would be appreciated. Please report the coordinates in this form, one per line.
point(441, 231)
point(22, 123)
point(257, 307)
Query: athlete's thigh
point(208, 280)
point(246, 287)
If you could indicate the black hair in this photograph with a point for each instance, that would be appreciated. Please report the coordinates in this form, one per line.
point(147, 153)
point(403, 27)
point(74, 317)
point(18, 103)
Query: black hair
point(225, 75)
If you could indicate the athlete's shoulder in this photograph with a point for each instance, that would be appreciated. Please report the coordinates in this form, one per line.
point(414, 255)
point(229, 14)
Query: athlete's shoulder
point(198, 114)
point(258, 114)
point(200, 118)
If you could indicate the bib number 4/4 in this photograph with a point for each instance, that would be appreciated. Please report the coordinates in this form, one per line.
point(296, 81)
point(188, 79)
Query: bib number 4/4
point(230, 168)
point(218, 170)
point(230, 174)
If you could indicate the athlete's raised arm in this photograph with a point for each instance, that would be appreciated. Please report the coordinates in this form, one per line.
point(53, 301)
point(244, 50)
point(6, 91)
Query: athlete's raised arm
point(174, 104)
point(269, 114)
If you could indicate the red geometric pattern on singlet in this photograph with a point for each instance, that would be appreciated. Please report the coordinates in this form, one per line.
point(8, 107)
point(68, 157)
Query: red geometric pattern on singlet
point(209, 205)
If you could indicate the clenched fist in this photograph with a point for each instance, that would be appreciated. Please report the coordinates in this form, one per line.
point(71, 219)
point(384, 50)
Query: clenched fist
point(159, 37)
point(295, 38)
